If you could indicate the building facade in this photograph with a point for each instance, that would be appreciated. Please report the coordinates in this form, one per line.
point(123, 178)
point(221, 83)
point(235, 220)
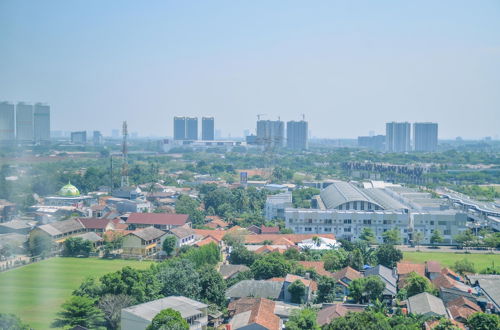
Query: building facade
point(398, 137)
point(24, 122)
point(296, 135)
point(7, 122)
point(79, 137)
point(207, 129)
point(191, 128)
point(179, 128)
point(41, 122)
point(425, 137)
point(270, 133)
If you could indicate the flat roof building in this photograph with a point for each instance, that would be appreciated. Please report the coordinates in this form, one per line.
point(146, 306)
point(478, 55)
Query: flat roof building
point(24, 122)
point(296, 135)
point(397, 137)
point(7, 122)
point(425, 137)
point(41, 122)
point(207, 129)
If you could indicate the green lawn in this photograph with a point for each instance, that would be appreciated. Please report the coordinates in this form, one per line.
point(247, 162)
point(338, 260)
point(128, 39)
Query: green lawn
point(481, 261)
point(36, 292)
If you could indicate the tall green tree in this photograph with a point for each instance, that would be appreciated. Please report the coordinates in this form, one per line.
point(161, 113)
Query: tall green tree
point(303, 319)
point(368, 235)
point(240, 255)
point(415, 284)
point(271, 265)
point(169, 244)
point(77, 246)
point(464, 266)
point(361, 320)
point(436, 237)
point(326, 289)
point(213, 287)
point(388, 255)
point(483, 321)
point(111, 306)
point(179, 278)
point(392, 237)
point(39, 244)
point(80, 311)
point(12, 322)
point(297, 291)
point(168, 319)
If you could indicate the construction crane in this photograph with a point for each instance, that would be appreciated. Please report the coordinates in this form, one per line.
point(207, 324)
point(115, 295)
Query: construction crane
point(125, 182)
point(303, 117)
point(260, 114)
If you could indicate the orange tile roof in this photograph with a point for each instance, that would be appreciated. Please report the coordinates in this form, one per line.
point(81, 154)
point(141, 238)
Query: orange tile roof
point(278, 239)
point(347, 272)
point(268, 249)
point(443, 281)
point(262, 312)
point(408, 267)
point(449, 272)
point(461, 313)
point(308, 283)
point(464, 302)
point(216, 234)
point(433, 266)
point(206, 241)
point(318, 266)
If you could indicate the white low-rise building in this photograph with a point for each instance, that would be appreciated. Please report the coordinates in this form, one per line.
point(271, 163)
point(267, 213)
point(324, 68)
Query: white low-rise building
point(276, 205)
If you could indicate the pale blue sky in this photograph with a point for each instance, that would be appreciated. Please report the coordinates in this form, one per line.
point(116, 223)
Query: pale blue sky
point(350, 66)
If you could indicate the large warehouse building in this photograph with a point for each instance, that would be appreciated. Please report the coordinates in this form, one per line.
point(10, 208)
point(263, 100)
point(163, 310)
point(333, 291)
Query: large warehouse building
point(344, 209)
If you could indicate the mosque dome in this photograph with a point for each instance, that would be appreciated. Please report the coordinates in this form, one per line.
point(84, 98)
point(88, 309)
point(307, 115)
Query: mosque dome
point(69, 191)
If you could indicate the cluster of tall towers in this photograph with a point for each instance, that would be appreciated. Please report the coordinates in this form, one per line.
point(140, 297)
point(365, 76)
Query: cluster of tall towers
point(398, 137)
point(24, 123)
point(271, 133)
point(186, 128)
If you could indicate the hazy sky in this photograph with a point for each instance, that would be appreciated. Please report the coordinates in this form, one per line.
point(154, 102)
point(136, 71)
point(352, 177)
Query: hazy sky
point(349, 66)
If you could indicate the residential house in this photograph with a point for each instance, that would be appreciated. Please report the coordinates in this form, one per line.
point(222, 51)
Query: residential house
point(330, 312)
point(269, 230)
point(403, 269)
point(489, 288)
point(255, 288)
point(317, 266)
point(426, 304)
point(444, 281)
point(432, 269)
point(230, 271)
point(139, 317)
point(311, 287)
point(59, 231)
point(254, 313)
point(254, 229)
point(143, 242)
point(163, 221)
point(345, 276)
point(94, 238)
point(97, 225)
point(22, 227)
point(461, 308)
point(215, 222)
point(388, 277)
point(451, 294)
point(185, 235)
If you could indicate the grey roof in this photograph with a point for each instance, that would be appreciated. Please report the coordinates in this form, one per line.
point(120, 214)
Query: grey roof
point(341, 192)
point(490, 286)
point(382, 198)
point(228, 271)
point(90, 236)
point(62, 227)
point(16, 224)
point(255, 288)
point(387, 276)
point(187, 307)
point(182, 232)
point(426, 304)
point(148, 234)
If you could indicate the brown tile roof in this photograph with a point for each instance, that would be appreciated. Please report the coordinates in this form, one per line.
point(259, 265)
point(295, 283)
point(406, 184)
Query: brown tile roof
point(158, 219)
point(461, 313)
point(408, 267)
point(182, 232)
point(215, 234)
point(433, 267)
point(429, 325)
point(217, 221)
point(290, 278)
point(318, 266)
point(94, 223)
point(326, 315)
point(261, 312)
point(449, 272)
point(269, 230)
point(148, 234)
point(347, 272)
point(277, 239)
point(464, 302)
point(268, 249)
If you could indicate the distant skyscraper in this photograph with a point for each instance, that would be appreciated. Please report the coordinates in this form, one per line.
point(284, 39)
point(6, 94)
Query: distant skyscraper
point(207, 128)
point(191, 128)
point(397, 137)
point(179, 128)
point(425, 136)
point(41, 122)
point(24, 122)
point(373, 142)
point(296, 135)
point(7, 122)
point(79, 137)
point(270, 132)
point(97, 138)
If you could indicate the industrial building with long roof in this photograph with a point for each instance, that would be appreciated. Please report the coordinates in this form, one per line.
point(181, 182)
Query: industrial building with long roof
point(344, 209)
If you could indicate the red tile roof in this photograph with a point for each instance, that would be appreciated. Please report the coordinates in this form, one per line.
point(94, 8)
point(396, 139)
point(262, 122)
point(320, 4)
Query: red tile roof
point(464, 302)
point(158, 219)
point(408, 267)
point(206, 241)
point(261, 312)
point(269, 230)
point(215, 234)
point(461, 313)
point(347, 272)
point(318, 266)
point(326, 315)
point(433, 267)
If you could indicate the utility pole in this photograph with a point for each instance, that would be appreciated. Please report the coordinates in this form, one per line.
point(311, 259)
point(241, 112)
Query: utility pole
point(125, 182)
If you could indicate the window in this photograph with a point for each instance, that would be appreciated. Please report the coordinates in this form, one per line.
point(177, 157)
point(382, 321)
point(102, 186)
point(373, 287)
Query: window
point(307, 229)
point(447, 232)
point(442, 223)
point(329, 221)
point(347, 206)
point(347, 230)
point(355, 205)
point(347, 221)
point(327, 230)
point(309, 220)
point(367, 222)
point(387, 222)
point(432, 223)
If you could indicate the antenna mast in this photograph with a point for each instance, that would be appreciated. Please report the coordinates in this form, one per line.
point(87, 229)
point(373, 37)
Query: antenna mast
point(125, 182)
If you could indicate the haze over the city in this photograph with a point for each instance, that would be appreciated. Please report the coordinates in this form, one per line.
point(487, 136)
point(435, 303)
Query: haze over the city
point(350, 67)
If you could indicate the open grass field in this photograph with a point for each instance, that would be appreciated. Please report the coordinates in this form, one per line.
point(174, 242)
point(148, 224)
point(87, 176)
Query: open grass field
point(481, 261)
point(36, 292)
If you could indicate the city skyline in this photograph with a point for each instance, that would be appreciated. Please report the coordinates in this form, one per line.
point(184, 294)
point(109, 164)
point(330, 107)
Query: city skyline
point(349, 67)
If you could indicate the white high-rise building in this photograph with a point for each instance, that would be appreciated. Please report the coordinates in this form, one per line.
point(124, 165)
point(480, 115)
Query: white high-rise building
point(41, 122)
point(425, 136)
point(271, 133)
point(398, 137)
point(24, 122)
point(296, 135)
point(7, 122)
